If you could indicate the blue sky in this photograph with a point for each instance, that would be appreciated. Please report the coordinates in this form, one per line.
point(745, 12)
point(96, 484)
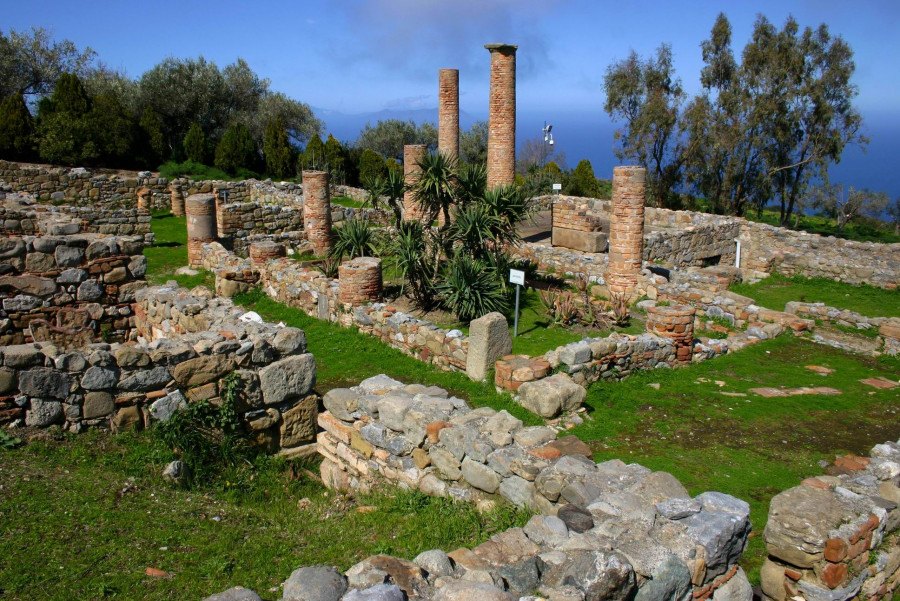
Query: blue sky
point(359, 56)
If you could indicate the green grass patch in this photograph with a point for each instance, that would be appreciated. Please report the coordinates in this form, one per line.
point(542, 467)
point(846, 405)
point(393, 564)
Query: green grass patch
point(86, 516)
point(747, 446)
point(169, 252)
point(346, 201)
point(777, 290)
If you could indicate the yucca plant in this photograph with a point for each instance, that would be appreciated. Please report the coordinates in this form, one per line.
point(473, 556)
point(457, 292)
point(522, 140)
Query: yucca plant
point(435, 185)
point(355, 239)
point(471, 183)
point(475, 229)
point(470, 289)
point(388, 189)
point(417, 261)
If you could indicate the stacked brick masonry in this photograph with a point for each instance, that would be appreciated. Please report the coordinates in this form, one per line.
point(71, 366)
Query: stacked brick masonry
point(835, 536)
point(448, 112)
point(677, 324)
point(19, 217)
point(501, 152)
point(626, 229)
point(317, 210)
point(359, 281)
point(202, 226)
point(572, 215)
point(412, 156)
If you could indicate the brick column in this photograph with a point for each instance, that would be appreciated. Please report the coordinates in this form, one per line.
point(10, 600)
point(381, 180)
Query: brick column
point(412, 156)
point(626, 229)
point(448, 113)
point(317, 210)
point(177, 200)
point(501, 152)
point(261, 252)
point(144, 196)
point(201, 225)
point(359, 281)
point(676, 323)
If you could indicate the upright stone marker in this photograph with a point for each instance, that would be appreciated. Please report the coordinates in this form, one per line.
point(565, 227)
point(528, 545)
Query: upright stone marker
point(448, 113)
point(501, 152)
point(201, 225)
point(412, 156)
point(489, 340)
point(626, 229)
point(317, 210)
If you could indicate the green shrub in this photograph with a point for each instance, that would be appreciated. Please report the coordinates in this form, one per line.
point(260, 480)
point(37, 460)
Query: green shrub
point(470, 289)
point(192, 170)
point(371, 167)
point(195, 144)
point(16, 129)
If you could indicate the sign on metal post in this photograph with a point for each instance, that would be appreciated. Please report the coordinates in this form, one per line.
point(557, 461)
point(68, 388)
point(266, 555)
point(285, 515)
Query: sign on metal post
point(517, 277)
point(557, 187)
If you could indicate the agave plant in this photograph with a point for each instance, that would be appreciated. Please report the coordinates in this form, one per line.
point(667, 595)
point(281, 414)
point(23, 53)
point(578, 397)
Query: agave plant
point(355, 239)
point(561, 307)
point(619, 308)
point(470, 289)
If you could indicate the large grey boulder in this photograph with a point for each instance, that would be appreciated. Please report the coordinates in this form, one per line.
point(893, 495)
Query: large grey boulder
point(463, 590)
point(315, 583)
point(671, 581)
point(551, 396)
point(341, 402)
point(379, 592)
point(288, 379)
point(43, 413)
point(489, 340)
point(99, 378)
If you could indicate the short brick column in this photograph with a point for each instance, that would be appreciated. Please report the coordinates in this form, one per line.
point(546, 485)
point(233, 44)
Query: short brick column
point(412, 156)
point(626, 229)
point(261, 252)
point(317, 211)
point(359, 281)
point(177, 200)
point(501, 151)
point(144, 198)
point(201, 225)
point(448, 113)
point(676, 323)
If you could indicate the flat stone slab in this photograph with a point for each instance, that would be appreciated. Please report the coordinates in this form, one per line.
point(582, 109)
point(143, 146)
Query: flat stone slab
point(781, 392)
point(880, 382)
point(820, 370)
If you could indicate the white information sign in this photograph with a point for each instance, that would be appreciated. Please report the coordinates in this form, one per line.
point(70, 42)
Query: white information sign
point(516, 277)
point(557, 186)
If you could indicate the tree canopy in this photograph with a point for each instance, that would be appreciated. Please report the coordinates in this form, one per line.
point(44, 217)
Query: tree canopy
point(388, 138)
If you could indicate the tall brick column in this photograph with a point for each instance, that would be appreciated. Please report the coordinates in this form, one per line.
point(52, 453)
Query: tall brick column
point(501, 152)
point(412, 156)
point(177, 200)
point(201, 225)
point(448, 112)
point(317, 210)
point(626, 229)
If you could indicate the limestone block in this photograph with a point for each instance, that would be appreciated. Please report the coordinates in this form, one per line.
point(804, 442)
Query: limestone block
point(298, 424)
point(590, 242)
point(288, 379)
point(551, 396)
point(489, 339)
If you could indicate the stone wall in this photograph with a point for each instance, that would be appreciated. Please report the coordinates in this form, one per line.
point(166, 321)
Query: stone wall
point(603, 531)
point(187, 346)
point(21, 216)
point(834, 537)
point(81, 187)
point(302, 286)
point(69, 289)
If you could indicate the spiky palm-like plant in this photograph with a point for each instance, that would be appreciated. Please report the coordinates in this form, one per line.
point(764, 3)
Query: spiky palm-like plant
point(388, 189)
point(435, 186)
point(471, 289)
point(355, 239)
point(471, 183)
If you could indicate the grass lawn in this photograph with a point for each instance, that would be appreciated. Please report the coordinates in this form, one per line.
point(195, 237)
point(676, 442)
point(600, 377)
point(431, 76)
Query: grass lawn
point(863, 229)
point(776, 290)
point(85, 516)
point(169, 252)
point(346, 201)
point(747, 446)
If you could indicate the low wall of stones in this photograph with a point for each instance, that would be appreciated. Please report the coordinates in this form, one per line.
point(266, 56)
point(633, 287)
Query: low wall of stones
point(69, 290)
point(835, 537)
point(603, 531)
point(767, 249)
point(21, 216)
point(888, 327)
point(188, 346)
point(81, 187)
point(302, 286)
